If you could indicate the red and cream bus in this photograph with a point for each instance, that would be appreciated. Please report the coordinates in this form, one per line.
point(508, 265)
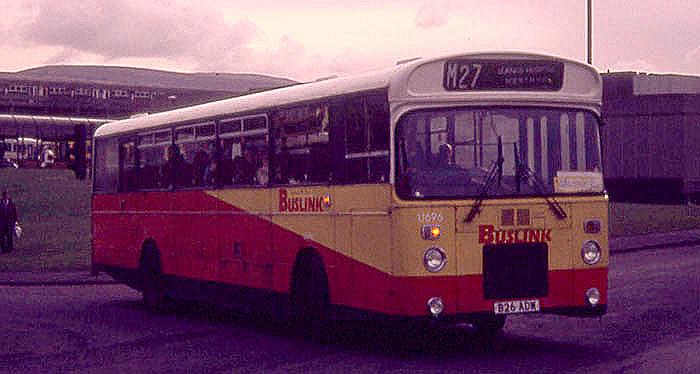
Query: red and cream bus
point(460, 188)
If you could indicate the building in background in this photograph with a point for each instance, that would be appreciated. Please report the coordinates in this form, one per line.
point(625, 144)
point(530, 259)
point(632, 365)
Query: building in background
point(48, 108)
point(119, 92)
point(651, 137)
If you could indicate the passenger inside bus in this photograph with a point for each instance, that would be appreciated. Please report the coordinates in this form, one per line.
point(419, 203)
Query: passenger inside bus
point(199, 166)
point(262, 176)
point(172, 166)
point(445, 156)
point(211, 173)
point(244, 168)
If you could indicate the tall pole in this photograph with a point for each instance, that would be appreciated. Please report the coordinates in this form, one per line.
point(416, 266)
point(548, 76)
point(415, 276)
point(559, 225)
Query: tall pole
point(589, 36)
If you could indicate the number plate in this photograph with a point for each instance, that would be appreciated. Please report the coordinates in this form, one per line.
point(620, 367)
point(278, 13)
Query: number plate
point(516, 306)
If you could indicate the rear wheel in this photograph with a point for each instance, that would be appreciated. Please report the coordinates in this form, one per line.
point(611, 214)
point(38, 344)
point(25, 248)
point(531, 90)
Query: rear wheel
point(309, 297)
point(152, 287)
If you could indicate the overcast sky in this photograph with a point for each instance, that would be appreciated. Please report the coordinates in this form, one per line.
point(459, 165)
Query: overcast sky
point(308, 39)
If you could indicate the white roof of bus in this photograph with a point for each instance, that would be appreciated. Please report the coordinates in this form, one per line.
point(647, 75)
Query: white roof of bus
point(302, 92)
point(240, 104)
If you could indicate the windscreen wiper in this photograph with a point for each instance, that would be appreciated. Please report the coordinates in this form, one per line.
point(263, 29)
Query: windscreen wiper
point(523, 173)
point(516, 157)
point(499, 161)
point(404, 155)
point(527, 174)
point(495, 173)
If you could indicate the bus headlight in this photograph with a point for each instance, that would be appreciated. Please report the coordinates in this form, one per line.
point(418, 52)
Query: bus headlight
point(434, 259)
point(590, 252)
point(593, 296)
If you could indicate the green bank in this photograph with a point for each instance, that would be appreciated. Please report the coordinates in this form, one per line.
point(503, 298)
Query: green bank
point(54, 212)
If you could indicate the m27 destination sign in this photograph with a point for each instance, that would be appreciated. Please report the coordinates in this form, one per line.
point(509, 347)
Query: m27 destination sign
point(515, 75)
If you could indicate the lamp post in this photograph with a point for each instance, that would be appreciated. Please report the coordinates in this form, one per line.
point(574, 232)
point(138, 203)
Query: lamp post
point(589, 36)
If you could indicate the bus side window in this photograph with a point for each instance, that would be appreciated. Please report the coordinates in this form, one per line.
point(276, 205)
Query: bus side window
point(183, 171)
point(378, 122)
point(196, 147)
point(367, 139)
point(128, 170)
point(155, 150)
point(243, 151)
point(302, 153)
point(229, 149)
point(107, 165)
point(149, 172)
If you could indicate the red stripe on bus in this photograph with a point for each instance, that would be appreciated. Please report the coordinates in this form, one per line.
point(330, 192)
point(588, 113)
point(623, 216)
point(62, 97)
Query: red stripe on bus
point(206, 250)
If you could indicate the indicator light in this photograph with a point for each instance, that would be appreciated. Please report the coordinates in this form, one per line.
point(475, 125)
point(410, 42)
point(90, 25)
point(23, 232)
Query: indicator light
point(430, 232)
point(591, 226)
point(326, 200)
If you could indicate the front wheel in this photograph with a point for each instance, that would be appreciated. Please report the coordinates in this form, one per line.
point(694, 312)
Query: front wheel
point(489, 326)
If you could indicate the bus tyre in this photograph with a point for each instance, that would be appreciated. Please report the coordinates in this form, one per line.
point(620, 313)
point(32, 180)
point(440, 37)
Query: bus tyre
point(309, 298)
point(152, 287)
point(489, 326)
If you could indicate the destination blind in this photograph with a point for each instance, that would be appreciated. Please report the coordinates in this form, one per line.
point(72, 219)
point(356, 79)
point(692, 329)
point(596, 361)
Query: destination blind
point(515, 75)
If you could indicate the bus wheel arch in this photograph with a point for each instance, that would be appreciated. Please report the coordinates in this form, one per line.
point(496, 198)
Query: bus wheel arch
point(309, 293)
point(148, 247)
point(151, 276)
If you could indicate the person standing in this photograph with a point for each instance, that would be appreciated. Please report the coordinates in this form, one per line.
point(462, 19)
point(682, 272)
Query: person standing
point(8, 218)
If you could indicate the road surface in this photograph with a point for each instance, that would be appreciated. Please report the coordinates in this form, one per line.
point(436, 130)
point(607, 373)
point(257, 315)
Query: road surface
point(653, 325)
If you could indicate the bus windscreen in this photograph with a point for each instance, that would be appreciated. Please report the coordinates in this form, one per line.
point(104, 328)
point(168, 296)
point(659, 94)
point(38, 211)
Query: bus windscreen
point(450, 153)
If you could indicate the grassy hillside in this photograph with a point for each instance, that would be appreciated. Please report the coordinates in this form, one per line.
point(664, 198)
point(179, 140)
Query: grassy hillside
point(54, 212)
point(122, 75)
point(634, 219)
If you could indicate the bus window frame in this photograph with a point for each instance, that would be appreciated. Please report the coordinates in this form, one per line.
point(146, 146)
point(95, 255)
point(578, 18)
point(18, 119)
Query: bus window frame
point(370, 152)
point(114, 188)
point(276, 129)
point(194, 139)
point(137, 161)
point(242, 134)
point(171, 130)
point(336, 140)
point(395, 156)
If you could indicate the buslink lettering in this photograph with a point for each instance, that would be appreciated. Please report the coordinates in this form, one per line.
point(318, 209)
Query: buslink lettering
point(299, 203)
point(489, 235)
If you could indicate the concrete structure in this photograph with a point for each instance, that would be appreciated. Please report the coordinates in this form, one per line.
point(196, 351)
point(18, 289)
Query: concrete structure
point(56, 103)
point(651, 140)
point(65, 98)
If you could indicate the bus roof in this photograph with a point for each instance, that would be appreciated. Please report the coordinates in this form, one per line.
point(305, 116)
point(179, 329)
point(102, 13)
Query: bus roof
point(406, 82)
